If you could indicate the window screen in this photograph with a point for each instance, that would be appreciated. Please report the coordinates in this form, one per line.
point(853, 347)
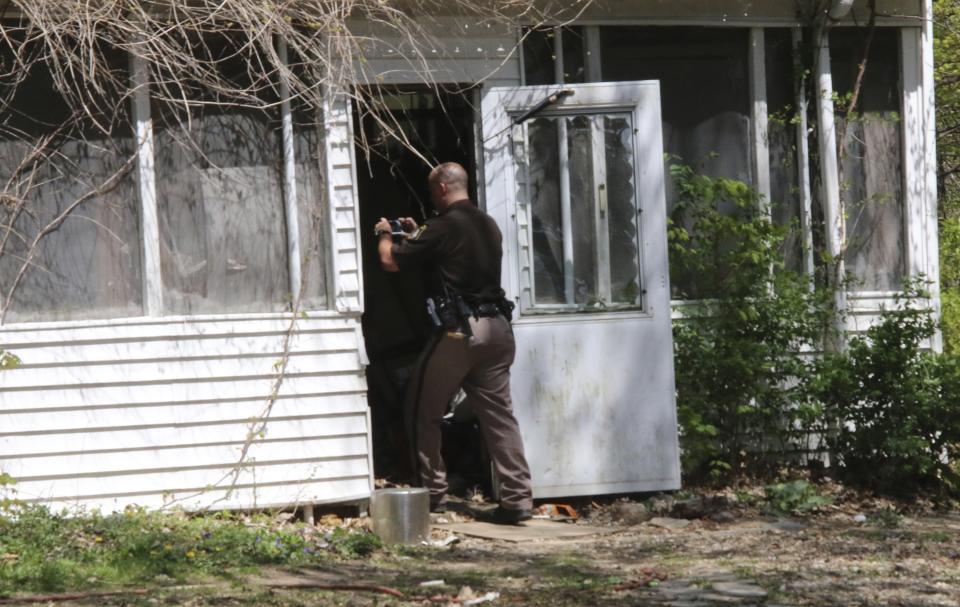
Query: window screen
point(311, 197)
point(782, 142)
point(704, 89)
point(539, 54)
point(871, 156)
point(219, 190)
point(705, 103)
point(88, 265)
point(311, 202)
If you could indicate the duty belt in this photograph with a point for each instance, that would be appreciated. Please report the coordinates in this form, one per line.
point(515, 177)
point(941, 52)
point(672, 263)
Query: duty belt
point(487, 309)
point(453, 314)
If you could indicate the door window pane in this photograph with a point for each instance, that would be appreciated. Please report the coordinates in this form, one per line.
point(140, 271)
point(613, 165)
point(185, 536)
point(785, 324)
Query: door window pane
point(871, 156)
point(595, 263)
point(622, 207)
point(219, 189)
point(54, 157)
point(583, 210)
point(546, 227)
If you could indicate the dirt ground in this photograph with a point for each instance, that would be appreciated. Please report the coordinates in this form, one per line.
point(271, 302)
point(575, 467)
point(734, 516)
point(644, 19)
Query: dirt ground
point(642, 555)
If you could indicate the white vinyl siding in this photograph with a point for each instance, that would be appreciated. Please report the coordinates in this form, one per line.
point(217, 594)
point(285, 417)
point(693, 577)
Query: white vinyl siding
point(156, 413)
point(342, 195)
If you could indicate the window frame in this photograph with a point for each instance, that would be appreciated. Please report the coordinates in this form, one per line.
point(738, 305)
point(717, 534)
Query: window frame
point(599, 210)
point(153, 292)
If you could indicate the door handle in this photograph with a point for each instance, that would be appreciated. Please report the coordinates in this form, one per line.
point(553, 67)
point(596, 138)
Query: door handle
point(602, 196)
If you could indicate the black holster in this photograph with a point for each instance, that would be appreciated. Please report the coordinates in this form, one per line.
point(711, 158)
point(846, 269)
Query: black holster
point(451, 314)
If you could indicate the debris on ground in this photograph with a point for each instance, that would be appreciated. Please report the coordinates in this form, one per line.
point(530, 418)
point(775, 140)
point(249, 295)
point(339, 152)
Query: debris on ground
point(723, 517)
point(630, 513)
point(468, 597)
point(673, 524)
point(648, 578)
point(556, 512)
point(700, 507)
point(442, 542)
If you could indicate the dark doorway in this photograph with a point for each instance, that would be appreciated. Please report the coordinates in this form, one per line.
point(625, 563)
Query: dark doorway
point(392, 183)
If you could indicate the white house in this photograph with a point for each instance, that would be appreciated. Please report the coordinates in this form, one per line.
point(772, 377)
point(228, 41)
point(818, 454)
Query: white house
point(152, 338)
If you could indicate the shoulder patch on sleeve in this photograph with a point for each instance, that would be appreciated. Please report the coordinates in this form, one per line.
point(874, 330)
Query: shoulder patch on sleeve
point(419, 232)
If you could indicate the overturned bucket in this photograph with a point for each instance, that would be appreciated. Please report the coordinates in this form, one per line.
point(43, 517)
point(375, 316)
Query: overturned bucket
point(401, 516)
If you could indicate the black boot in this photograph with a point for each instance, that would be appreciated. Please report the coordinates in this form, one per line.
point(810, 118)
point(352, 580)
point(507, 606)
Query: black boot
point(504, 516)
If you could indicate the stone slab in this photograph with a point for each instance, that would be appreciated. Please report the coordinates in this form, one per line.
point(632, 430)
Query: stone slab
point(722, 599)
point(741, 589)
point(530, 530)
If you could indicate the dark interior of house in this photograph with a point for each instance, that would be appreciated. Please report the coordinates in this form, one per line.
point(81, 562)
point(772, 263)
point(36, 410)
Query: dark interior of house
point(392, 183)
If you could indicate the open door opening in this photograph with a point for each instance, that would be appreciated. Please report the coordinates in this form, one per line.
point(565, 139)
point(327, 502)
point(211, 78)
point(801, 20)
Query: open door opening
point(392, 183)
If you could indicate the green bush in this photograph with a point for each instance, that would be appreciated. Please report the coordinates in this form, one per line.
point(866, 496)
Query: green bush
point(736, 350)
point(747, 395)
point(7, 493)
point(891, 407)
point(950, 281)
point(950, 320)
point(950, 250)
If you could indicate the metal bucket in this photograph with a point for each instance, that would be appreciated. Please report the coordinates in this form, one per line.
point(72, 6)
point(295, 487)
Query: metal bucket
point(401, 516)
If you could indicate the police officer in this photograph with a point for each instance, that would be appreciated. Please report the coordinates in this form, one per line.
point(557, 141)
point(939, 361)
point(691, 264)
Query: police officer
point(466, 246)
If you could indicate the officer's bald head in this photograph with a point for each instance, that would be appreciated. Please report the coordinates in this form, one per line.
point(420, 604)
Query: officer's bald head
point(448, 183)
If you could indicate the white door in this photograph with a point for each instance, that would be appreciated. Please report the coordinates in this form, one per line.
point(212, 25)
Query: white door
point(578, 191)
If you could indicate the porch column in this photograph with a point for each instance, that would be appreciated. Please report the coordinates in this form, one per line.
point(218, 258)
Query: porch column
point(912, 140)
point(930, 176)
point(146, 183)
point(803, 157)
point(758, 119)
point(289, 178)
point(833, 212)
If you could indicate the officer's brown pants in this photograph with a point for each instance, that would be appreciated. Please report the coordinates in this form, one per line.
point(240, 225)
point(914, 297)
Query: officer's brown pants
point(481, 366)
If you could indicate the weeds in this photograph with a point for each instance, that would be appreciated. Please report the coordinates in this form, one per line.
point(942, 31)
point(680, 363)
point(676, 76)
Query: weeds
point(350, 544)
point(46, 551)
point(795, 498)
point(886, 517)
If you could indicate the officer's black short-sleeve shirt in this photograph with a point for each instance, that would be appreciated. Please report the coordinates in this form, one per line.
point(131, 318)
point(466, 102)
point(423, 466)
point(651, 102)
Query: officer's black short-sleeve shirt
point(465, 244)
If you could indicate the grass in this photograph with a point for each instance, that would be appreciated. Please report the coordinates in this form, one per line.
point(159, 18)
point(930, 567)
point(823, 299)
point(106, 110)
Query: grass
point(238, 560)
point(44, 551)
